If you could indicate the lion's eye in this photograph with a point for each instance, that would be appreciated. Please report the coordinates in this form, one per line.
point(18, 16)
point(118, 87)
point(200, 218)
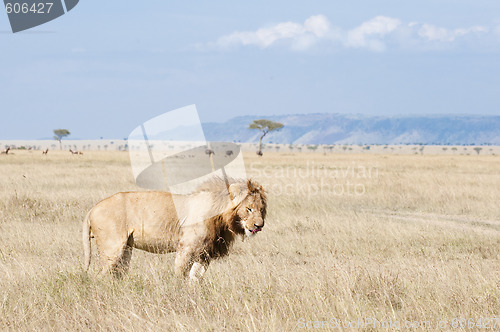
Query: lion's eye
point(250, 210)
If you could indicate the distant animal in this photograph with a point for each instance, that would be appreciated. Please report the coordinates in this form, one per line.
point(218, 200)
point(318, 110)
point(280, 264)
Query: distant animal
point(229, 152)
point(75, 152)
point(209, 152)
point(259, 153)
point(46, 151)
point(6, 151)
point(203, 227)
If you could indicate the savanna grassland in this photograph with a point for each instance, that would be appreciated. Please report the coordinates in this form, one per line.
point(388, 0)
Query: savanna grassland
point(411, 239)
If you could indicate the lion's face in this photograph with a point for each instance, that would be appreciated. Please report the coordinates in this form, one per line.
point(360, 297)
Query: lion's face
point(252, 210)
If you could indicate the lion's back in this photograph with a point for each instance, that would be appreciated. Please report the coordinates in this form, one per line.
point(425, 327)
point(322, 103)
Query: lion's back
point(150, 216)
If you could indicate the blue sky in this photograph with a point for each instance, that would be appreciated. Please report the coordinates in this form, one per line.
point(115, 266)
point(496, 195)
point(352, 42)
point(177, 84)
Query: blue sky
point(105, 67)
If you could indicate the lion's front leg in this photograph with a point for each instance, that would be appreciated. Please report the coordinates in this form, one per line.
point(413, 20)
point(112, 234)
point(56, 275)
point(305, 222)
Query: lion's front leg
point(189, 259)
point(183, 261)
point(197, 271)
point(199, 268)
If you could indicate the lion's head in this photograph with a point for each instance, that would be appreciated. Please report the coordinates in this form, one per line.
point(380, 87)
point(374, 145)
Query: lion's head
point(250, 207)
point(241, 205)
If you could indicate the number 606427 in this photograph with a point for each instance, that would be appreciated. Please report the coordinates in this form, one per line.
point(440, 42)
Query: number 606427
point(26, 8)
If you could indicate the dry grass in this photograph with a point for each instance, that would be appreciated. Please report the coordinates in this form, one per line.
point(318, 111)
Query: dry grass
point(417, 240)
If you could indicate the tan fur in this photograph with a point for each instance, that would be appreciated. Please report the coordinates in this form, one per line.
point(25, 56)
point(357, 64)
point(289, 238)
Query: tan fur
point(202, 227)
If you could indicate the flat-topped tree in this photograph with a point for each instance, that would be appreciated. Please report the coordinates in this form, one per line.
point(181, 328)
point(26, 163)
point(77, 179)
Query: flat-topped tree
point(59, 134)
point(264, 126)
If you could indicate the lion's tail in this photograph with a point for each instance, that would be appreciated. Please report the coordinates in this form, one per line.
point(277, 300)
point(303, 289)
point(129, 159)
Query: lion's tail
point(86, 242)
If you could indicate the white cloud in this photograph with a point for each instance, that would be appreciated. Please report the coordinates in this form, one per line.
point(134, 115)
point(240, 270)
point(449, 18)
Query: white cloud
point(301, 35)
point(318, 25)
point(433, 33)
point(474, 29)
point(372, 34)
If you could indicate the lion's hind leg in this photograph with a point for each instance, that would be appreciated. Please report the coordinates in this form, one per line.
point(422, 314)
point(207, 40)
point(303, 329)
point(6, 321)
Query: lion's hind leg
point(124, 263)
point(115, 259)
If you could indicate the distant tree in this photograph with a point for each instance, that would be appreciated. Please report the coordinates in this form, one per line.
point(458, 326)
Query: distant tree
point(264, 126)
point(477, 149)
point(59, 134)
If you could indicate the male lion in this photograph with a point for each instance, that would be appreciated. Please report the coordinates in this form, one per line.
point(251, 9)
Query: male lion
point(202, 227)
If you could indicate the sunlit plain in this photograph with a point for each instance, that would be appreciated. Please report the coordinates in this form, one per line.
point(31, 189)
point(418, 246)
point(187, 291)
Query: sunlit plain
point(348, 237)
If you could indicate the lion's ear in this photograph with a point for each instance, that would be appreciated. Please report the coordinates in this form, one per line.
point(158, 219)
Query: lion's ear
point(236, 193)
point(234, 189)
point(251, 187)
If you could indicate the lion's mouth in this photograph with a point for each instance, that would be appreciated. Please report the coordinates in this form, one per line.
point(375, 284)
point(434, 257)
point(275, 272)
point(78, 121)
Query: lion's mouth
point(255, 230)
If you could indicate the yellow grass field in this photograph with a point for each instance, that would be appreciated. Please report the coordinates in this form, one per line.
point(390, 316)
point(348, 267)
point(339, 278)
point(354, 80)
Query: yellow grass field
point(350, 239)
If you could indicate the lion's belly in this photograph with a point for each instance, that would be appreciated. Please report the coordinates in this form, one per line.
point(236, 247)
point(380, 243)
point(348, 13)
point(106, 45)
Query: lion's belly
point(159, 247)
point(152, 219)
point(155, 237)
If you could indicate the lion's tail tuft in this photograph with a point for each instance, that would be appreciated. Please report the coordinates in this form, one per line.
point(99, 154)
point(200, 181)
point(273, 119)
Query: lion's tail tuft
point(86, 242)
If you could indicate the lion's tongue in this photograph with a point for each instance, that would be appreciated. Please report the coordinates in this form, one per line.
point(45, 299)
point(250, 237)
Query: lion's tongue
point(256, 230)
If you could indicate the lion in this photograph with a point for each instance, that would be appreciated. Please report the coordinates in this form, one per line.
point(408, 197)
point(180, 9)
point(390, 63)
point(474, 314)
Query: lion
point(199, 227)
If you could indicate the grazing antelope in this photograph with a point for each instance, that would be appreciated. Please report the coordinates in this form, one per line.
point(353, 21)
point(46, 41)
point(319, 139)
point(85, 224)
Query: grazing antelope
point(75, 152)
point(6, 151)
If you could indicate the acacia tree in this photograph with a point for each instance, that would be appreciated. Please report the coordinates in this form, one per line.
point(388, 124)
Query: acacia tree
point(264, 126)
point(59, 134)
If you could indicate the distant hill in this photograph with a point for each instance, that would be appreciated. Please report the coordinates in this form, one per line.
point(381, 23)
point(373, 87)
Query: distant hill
point(363, 129)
